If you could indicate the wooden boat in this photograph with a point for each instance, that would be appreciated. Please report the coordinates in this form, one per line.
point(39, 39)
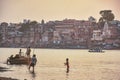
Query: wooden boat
point(96, 50)
point(19, 60)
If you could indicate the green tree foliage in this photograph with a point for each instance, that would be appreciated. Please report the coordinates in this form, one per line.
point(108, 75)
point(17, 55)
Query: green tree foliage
point(0, 37)
point(4, 24)
point(25, 26)
point(107, 15)
point(33, 23)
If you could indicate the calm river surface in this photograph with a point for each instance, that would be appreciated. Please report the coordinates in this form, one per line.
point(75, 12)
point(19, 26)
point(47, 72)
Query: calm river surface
point(50, 65)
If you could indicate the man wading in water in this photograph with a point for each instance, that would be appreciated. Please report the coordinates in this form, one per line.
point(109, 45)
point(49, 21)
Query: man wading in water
point(67, 64)
point(33, 62)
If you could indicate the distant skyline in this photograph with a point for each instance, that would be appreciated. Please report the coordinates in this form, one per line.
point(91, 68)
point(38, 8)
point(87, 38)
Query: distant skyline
point(17, 10)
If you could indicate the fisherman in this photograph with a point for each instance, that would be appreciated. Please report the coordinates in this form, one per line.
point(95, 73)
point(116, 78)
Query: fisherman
point(20, 52)
point(16, 56)
point(28, 52)
point(33, 62)
point(67, 64)
point(11, 57)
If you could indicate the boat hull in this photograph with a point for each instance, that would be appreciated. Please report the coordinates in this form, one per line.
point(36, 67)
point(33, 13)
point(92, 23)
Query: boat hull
point(21, 60)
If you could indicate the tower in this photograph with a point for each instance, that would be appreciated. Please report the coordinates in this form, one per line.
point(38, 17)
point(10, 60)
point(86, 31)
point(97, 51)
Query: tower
point(106, 32)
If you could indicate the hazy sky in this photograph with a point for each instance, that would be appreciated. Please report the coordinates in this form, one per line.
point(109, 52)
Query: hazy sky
point(17, 10)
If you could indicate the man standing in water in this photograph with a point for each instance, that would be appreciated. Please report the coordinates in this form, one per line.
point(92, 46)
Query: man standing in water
point(33, 62)
point(67, 64)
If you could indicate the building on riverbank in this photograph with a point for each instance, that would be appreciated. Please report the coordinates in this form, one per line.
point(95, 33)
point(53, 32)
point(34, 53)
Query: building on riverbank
point(68, 33)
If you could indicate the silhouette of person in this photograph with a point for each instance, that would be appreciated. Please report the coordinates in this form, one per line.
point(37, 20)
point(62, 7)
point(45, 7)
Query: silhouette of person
point(20, 52)
point(33, 62)
point(67, 65)
point(28, 51)
point(11, 57)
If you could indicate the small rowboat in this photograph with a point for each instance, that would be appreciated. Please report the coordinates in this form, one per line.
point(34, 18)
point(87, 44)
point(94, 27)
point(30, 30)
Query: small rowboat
point(98, 50)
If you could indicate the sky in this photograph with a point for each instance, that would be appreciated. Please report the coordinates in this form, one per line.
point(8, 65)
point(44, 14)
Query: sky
point(17, 10)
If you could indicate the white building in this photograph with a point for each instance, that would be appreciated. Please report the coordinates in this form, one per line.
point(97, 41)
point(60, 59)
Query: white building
point(97, 35)
point(106, 32)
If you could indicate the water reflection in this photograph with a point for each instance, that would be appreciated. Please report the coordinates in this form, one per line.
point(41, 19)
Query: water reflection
point(33, 75)
point(67, 76)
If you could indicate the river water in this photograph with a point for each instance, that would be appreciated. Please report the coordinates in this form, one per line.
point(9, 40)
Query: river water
point(50, 65)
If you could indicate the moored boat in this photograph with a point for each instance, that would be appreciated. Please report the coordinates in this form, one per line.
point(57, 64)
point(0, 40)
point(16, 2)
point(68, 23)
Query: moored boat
point(96, 50)
point(19, 60)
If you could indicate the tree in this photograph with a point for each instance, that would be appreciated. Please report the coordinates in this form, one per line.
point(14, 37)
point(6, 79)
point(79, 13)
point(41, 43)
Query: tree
point(33, 23)
point(42, 22)
point(25, 26)
point(4, 24)
point(107, 15)
point(0, 37)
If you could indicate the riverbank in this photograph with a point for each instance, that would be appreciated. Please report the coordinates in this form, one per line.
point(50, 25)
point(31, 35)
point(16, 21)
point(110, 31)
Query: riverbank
point(57, 47)
point(62, 48)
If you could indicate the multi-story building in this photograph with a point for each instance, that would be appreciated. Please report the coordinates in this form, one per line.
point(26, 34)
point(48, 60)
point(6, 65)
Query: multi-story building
point(63, 33)
point(4, 31)
point(97, 35)
point(69, 32)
